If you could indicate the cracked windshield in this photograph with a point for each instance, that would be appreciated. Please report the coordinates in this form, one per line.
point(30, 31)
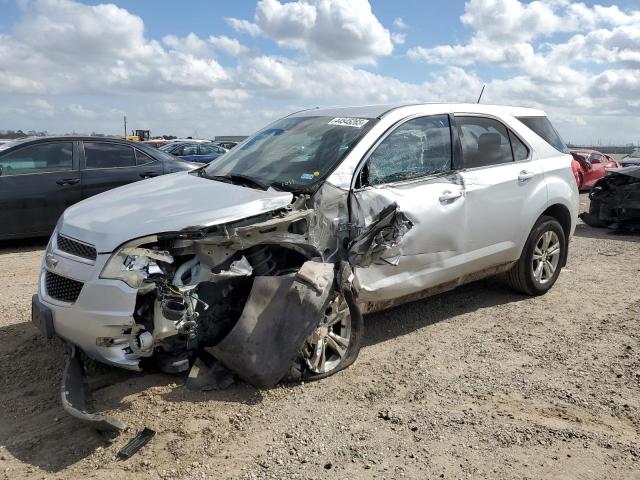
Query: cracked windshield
point(294, 152)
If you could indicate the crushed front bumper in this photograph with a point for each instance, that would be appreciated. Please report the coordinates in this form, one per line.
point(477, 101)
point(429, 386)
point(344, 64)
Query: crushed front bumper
point(76, 397)
point(97, 319)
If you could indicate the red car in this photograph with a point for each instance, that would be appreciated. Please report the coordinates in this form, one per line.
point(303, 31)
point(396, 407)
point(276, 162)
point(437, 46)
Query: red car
point(589, 166)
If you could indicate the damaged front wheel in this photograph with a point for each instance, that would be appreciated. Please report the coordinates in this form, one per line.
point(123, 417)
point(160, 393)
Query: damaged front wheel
point(335, 343)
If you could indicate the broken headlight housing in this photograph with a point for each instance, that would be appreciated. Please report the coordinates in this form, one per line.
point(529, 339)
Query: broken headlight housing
point(132, 264)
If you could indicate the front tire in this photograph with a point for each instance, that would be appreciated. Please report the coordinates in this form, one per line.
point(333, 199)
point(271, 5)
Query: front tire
point(335, 343)
point(541, 260)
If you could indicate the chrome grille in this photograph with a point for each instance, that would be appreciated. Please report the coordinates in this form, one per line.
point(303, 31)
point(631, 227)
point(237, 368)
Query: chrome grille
point(76, 248)
point(62, 288)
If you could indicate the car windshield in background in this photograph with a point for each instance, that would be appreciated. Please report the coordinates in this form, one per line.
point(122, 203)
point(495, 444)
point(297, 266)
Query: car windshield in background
point(170, 148)
point(157, 153)
point(542, 126)
point(13, 143)
point(295, 152)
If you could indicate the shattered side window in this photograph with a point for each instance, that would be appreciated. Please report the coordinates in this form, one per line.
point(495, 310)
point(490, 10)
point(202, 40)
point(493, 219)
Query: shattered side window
point(417, 148)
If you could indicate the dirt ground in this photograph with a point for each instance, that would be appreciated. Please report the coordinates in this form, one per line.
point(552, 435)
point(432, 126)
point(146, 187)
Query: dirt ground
point(476, 383)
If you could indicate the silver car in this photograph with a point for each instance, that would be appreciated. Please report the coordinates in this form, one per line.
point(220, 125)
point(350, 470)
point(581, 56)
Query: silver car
point(267, 258)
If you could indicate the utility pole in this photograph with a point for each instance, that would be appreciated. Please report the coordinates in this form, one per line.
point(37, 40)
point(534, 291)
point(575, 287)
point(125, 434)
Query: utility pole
point(125, 126)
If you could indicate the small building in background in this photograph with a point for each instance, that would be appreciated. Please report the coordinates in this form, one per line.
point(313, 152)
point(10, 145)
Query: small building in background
point(229, 138)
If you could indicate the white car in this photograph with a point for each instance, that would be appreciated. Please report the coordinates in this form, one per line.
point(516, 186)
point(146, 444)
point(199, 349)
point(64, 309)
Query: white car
point(267, 258)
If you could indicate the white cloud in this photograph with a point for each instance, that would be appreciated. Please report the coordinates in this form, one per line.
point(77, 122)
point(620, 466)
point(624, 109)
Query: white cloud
point(86, 65)
point(230, 46)
point(328, 29)
point(191, 44)
point(62, 46)
point(39, 103)
point(81, 111)
point(243, 26)
point(399, 23)
point(545, 64)
point(398, 38)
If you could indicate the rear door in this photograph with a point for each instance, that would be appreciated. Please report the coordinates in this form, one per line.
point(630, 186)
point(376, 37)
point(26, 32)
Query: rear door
point(38, 182)
point(108, 165)
point(412, 167)
point(502, 181)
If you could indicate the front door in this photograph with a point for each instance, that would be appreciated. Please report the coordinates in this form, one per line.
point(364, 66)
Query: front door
point(37, 183)
point(411, 167)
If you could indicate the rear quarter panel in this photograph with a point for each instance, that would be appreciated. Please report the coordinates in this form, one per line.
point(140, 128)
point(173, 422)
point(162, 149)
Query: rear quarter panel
point(561, 185)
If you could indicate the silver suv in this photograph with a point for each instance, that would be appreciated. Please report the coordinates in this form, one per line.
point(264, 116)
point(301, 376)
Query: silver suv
point(268, 257)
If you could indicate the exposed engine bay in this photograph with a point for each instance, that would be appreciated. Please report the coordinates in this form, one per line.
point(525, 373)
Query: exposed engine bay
point(281, 277)
point(193, 286)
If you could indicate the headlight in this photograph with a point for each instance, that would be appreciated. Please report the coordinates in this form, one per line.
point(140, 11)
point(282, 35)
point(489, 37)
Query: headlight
point(130, 263)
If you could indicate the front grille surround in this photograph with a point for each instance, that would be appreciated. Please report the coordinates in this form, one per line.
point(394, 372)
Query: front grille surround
point(76, 248)
point(62, 288)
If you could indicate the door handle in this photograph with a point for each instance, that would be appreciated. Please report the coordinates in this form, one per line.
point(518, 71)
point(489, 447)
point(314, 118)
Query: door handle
point(149, 174)
point(449, 196)
point(68, 181)
point(524, 175)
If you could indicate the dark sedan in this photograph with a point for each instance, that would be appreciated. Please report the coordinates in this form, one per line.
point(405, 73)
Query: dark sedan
point(41, 177)
point(201, 152)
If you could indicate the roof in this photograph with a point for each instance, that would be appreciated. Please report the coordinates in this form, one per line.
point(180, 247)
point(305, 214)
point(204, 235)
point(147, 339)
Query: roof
point(377, 111)
point(21, 142)
point(74, 137)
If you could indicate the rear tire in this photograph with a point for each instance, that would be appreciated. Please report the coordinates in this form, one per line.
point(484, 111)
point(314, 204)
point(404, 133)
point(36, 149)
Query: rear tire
point(539, 265)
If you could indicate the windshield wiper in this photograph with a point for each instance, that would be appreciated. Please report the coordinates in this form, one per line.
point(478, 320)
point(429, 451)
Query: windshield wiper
point(246, 178)
point(236, 178)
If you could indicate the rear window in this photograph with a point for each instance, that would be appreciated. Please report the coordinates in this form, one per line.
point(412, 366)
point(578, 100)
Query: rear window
point(542, 126)
point(108, 155)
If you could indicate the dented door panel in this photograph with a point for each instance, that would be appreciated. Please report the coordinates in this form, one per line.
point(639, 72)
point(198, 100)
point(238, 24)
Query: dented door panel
point(430, 252)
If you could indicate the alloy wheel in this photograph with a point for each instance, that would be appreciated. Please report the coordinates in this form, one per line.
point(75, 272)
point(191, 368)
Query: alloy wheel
point(546, 257)
point(327, 346)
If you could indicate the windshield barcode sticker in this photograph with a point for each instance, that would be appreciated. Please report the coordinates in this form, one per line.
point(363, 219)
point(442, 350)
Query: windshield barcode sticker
point(349, 122)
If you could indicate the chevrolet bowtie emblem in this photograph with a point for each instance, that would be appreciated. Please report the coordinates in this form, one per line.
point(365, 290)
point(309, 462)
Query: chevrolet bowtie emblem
point(51, 261)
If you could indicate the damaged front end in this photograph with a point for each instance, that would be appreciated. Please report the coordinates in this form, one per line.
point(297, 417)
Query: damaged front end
point(268, 298)
point(198, 287)
point(615, 200)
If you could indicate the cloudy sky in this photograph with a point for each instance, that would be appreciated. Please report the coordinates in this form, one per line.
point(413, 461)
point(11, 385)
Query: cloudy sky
point(207, 68)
